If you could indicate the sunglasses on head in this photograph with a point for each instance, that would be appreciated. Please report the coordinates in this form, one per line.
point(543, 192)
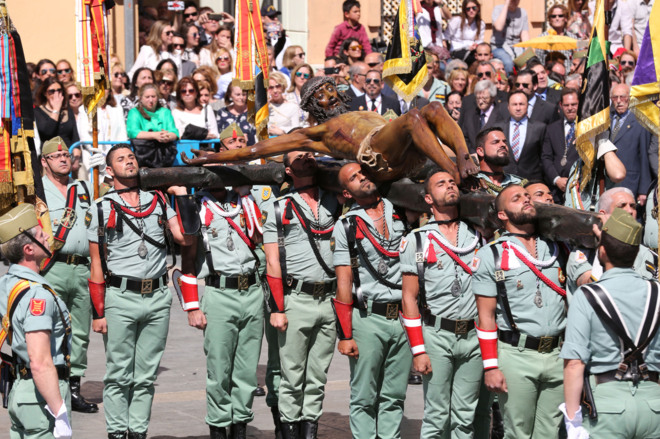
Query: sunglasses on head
point(63, 71)
point(482, 74)
point(44, 71)
point(188, 91)
point(557, 16)
point(374, 80)
point(472, 8)
point(522, 84)
point(52, 91)
point(302, 75)
point(75, 96)
point(192, 14)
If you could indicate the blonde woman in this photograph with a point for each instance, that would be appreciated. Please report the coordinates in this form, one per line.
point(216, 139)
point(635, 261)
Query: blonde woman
point(299, 77)
point(283, 115)
point(156, 49)
point(293, 56)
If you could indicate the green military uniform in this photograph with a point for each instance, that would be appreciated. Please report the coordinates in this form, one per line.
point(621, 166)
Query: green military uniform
point(493, 188)
point(651, 224)
point(264, 195)
point(307, 345)
point(626, 408)
point(137, 315)
point(69, 271)
point(36, 307)
point(379, 376)
point(581, 260)
point(534, 376)
point(233, 306)
point(452, 389)
point(586, 199)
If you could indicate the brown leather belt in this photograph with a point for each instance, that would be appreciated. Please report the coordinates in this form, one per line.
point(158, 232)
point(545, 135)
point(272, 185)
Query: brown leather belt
point(609, 376)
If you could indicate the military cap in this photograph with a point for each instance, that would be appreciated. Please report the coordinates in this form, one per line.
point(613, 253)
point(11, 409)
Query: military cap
point(579, 54)
point(523, 58)
point(623, 227)
point(21, 218)
point(53, 145)
point(231, 132)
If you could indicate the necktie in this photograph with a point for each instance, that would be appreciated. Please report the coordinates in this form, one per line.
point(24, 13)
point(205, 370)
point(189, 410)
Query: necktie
point(515, 141)
point(570, 137)
point(373, 105)
point(482, 120)
point(617, 126)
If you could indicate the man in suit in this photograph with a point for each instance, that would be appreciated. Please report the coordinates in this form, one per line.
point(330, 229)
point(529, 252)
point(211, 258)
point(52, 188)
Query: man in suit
point(537, 109)
point(544, 92)
point(525, 137)
point(485, 72)
point(632, 141)
point(485, 114)
point(357, 72)
point(559, 151)
point(373, 99)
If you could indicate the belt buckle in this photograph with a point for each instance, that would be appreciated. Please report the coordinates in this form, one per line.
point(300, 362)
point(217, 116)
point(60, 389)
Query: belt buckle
point(461, 327)
point(68, 218)
point(71, 259)
point(392, 311)
point(23, 371)
point(146, 287)
point(243, 282)
point(319, 289)
point(545, 345)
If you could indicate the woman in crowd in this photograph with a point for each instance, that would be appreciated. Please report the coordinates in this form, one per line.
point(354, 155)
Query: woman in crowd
point(557, 19)
point(222, 40)
point(236, 111)
point(209, 75)
point(149, 120)
point(168, 64)
point(64, 71)
point(464, 32)
point(206, 92)
point(52, 113)
point(293, 56)
point(189, 110)
point(299, 76)
point(283, 115)
point(156, 49)
point(453, 105)
point(166, 82)
point(74, 96)
point(119, 83)
point(351, 51)
point(225, 66)
point(578, 19)
point(141, 77)
point(190, 33)
point(458, 81)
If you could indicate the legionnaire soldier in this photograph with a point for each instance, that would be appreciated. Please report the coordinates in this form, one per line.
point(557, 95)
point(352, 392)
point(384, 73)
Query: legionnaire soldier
point(437, 262)
point(68, 270)
point(493, 153)
point(36, 323)
point(612, 334)
point(127, 230)
point(231, 311)
point(366, 259)
point(584, 266)
point(297, 240)
point(520, 300)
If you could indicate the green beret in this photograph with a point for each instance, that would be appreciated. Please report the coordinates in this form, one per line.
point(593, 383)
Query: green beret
point(53, 145)
point(232, 131)
point(623, 227)
point(21, 218)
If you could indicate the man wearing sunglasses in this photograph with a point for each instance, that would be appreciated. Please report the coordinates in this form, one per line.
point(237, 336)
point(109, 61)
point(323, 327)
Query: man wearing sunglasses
point(485, 72)
point(537, 109)
point(357, 73)
point(373, 99)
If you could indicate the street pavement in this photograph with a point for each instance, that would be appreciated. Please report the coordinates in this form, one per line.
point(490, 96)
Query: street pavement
point(180, 401)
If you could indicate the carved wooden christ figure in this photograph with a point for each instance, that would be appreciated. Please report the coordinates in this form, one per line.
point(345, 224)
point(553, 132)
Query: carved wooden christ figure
point(389, 149)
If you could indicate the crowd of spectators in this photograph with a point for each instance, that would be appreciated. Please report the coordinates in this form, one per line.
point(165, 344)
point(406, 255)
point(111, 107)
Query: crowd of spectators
point(180, 86)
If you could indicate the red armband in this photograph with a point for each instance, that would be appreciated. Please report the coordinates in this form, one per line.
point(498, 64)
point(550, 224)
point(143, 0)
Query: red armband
point(97, 294)
point(344, 316)
point(276, 298)
point(189, 294)
point(413, 328)
point(488, 345)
